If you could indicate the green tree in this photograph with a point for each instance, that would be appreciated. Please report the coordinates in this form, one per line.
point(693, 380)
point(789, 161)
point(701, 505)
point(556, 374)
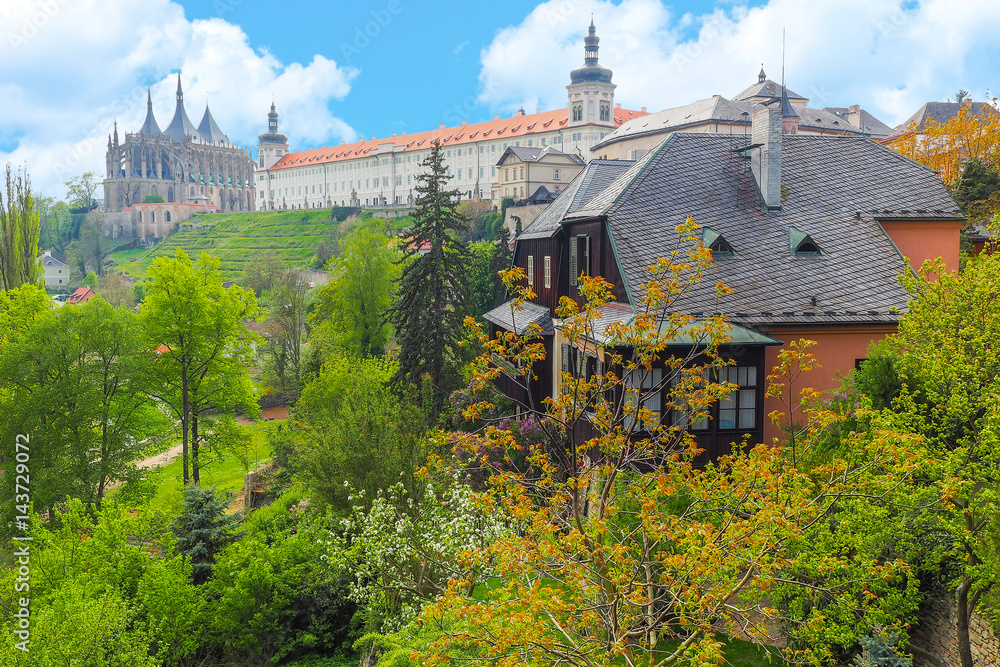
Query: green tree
point(203, 529)
point(352, 308)
point(116, 289)
point(56, 224)
point(275, 599)
point(482, 279)
point(107, 588)
point(977, 190)
point(80, 192)
point(153, 198)
point(353, 433)
point(202, 346)
point(287, 303)
point(261, 270)
point(91, 280)
point(76, 384)
point(433, 291)
point(19, 231)
point(951, 398)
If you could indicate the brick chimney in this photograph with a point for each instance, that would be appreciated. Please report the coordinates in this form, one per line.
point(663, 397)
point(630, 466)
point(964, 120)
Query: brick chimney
point(765, 160)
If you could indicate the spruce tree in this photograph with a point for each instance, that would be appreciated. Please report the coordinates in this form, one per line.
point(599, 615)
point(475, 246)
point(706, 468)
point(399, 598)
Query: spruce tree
point(432, 294)
point(203, 529)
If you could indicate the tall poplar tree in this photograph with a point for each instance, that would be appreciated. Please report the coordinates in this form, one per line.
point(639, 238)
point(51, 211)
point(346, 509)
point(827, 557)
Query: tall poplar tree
point(19, 230)
point(428, 315)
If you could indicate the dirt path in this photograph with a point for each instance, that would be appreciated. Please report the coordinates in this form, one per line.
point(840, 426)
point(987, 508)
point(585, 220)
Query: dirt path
point(267, 414)
point(161, 459)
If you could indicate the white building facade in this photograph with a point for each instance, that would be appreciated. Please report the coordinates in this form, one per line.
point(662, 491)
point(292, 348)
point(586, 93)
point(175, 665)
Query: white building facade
point(382, 172)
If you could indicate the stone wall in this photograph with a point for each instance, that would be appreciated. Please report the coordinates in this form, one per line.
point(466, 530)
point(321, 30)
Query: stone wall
point(255, 484)
point(527, 214)
point(937, 635)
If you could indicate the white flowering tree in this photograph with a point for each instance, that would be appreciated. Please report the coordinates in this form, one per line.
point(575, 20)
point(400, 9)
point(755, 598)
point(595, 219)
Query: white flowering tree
point(404, 550)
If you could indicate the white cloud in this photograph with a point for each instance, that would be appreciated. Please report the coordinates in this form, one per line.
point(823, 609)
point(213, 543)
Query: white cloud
point(68, 68)
point(890, 56)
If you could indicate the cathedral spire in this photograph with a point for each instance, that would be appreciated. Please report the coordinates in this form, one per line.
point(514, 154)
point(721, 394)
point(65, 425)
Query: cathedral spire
point(149, 126)
point(181, 127)
point(210, 130)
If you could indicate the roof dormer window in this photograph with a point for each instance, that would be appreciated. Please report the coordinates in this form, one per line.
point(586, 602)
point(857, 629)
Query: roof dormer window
point(801, 243)
point(717, 243)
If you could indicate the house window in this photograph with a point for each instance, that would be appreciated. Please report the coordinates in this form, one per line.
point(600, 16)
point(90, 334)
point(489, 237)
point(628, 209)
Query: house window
point(646, 388)
point(555, 174)
point(738, 410)
point(579, 258)
point(531, 269)
point(577, 136)
point(579, 363)
point(548, 272)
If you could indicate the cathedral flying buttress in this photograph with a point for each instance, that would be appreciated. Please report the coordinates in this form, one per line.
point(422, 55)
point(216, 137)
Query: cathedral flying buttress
point(182, 163)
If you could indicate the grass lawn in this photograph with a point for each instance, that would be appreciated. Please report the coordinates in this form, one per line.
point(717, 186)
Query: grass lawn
point(224, 474)
point(235, 237)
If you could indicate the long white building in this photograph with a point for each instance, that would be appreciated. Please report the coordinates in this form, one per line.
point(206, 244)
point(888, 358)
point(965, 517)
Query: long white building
point(382, 172)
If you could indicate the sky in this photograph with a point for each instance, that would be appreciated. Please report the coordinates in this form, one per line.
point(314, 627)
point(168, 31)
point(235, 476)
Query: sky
point(340, 71)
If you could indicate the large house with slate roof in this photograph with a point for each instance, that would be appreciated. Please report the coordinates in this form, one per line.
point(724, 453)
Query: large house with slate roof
point(732, 116)
point(181, 163)
point(809, 231)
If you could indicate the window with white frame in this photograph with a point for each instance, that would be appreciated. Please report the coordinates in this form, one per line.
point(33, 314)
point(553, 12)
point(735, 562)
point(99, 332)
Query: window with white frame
point(548, 272)
point(531, 269)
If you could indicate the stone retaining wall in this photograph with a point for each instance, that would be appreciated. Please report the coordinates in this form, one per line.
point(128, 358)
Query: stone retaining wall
point(937, 635)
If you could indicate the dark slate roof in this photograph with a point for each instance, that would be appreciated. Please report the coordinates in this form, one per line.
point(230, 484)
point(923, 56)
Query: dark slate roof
point(768, 89)
point(210, 131)
point(718, 109)
point(536, 153)
point(181, 126)
point(939, 112)
point(826, 183)
point(596, 176)
point(530, 312)
point(48, 261)
point(870, 125)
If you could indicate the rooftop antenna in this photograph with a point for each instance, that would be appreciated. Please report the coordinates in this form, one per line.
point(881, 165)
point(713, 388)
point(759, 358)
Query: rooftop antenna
point(782, 59)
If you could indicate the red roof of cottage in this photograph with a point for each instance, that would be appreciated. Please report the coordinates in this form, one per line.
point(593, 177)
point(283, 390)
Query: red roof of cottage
point(81, 295)
point(518, 126)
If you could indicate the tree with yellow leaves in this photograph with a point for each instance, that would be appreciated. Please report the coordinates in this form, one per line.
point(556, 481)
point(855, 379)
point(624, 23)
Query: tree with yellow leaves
point(621, 549)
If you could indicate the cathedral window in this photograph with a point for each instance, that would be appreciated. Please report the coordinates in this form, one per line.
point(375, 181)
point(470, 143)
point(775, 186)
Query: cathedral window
point(577, 112)
point(605, 112)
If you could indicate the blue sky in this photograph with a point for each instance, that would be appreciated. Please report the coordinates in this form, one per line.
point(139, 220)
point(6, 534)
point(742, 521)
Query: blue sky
point(70, 68)
point(421, 66)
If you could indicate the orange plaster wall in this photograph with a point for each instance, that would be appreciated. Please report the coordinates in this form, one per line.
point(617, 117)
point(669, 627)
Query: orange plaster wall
point(920, 240)
point(836, 350)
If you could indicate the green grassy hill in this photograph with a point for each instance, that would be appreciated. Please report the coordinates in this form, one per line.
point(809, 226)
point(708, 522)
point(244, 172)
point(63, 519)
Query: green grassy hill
point(235, 237)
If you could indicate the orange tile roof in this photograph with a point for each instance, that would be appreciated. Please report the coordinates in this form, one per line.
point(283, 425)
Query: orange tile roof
point(518, 126)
